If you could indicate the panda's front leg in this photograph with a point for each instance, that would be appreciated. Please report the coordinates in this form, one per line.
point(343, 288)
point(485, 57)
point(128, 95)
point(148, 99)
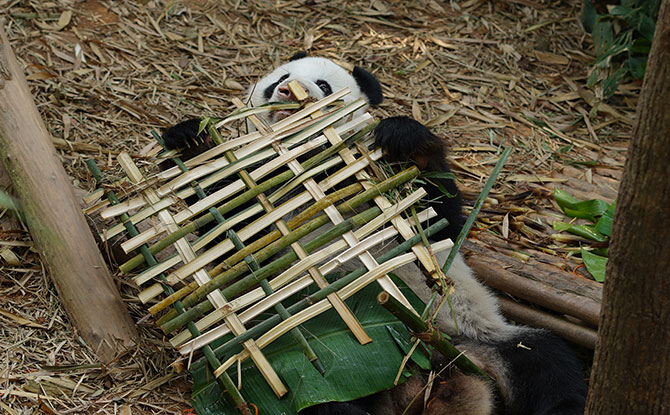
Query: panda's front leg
point(405, 139)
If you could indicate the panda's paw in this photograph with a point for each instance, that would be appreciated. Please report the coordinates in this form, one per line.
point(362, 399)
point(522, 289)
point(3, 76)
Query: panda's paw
point(184, 135)
point(405, 139)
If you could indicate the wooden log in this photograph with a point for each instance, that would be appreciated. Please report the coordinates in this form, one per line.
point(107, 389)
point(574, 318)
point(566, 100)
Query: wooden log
point(572, 332)
point(538, 283)
point(56, 222)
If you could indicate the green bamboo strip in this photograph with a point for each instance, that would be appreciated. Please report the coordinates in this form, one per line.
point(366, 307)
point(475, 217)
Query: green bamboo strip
point(347, 207)
point(428, 334)
point(225, 382)
point(285, 282)
point(295, 332)
point(231, 264)
point(475, 209)
point(311, 163)
point(270, 322)
point(269, 269)
point(344, 312)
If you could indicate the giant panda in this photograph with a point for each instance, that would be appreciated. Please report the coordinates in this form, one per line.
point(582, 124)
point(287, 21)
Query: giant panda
point(535, 372)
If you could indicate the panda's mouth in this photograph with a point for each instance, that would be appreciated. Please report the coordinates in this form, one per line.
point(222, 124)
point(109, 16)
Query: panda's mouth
point(281, 114)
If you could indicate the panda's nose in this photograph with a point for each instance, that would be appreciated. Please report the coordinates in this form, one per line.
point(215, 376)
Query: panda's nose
point(285, 93)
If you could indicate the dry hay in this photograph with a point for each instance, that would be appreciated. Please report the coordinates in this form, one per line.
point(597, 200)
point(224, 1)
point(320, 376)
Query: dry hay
point(482, 74)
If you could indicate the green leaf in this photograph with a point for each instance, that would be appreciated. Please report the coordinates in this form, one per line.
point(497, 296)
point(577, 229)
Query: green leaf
point(595, 264)
point(564, 199)
point(352, 370)
point(588, 209)
point(611, 84)
point(203, 125)
point(585, 231)
point(589, 15)
point(604, 224)
point(603, 36)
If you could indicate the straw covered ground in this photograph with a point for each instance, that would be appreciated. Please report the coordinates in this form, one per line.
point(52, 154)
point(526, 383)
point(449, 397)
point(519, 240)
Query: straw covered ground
point(482, 74)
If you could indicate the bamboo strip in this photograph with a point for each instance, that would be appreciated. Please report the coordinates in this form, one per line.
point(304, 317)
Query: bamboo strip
point(367, 258)
point(323, 305)
point(268, 323)
point(202, 277)
point(224, 381)
point(346, 207)
point(248, 151)
point(281, 280)
point(316, 163)
point(345, 314)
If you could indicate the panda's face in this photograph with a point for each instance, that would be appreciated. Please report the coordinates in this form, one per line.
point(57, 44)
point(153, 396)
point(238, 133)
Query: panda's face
point(319, 77)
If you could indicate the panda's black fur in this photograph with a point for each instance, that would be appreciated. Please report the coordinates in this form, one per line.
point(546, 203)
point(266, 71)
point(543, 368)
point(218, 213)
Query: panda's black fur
point(535, 372)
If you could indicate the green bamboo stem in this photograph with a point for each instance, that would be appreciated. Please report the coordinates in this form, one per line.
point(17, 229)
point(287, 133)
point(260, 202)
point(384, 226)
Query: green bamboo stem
point(275, 181)
point(319, 295)
point(428, 334)
point(475, 210)
point(272, 268)
point(345, 208)
point(225, 382)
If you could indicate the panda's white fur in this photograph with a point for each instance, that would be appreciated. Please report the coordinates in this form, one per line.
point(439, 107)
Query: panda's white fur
point(532, 382)
point(307, 71)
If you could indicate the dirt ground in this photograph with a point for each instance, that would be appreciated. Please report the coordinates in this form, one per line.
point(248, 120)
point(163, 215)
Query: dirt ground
point(482, 74)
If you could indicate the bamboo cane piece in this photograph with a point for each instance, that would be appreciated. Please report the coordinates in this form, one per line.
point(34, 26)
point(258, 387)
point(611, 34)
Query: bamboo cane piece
point(428, 334)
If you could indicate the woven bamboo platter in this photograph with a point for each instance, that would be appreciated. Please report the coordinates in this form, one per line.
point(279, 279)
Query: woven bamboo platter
point(280, 225)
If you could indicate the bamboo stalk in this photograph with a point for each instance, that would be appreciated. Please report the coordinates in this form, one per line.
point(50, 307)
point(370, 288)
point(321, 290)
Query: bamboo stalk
point(428, 334)
point(225, 383)
point(315, 297)
point(53, 215)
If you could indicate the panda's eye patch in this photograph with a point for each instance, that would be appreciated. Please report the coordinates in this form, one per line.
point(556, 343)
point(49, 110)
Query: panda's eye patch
point(325, 87)
point(267, 94)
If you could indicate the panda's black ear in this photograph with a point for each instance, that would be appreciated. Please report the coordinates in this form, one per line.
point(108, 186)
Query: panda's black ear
point(299, 55)
point(369, 85)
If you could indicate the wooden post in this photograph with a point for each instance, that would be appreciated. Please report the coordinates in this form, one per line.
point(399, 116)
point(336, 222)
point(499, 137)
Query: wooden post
point(56, 222)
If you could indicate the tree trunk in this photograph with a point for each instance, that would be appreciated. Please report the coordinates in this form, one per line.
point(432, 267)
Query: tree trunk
point(631, 371)
point(55, 219)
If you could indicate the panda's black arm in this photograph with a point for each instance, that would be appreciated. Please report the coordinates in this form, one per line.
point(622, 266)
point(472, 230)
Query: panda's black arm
point(405, 139)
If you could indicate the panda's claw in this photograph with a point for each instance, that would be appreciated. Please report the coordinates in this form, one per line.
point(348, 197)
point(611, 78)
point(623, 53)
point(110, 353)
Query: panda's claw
point(184, 135)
